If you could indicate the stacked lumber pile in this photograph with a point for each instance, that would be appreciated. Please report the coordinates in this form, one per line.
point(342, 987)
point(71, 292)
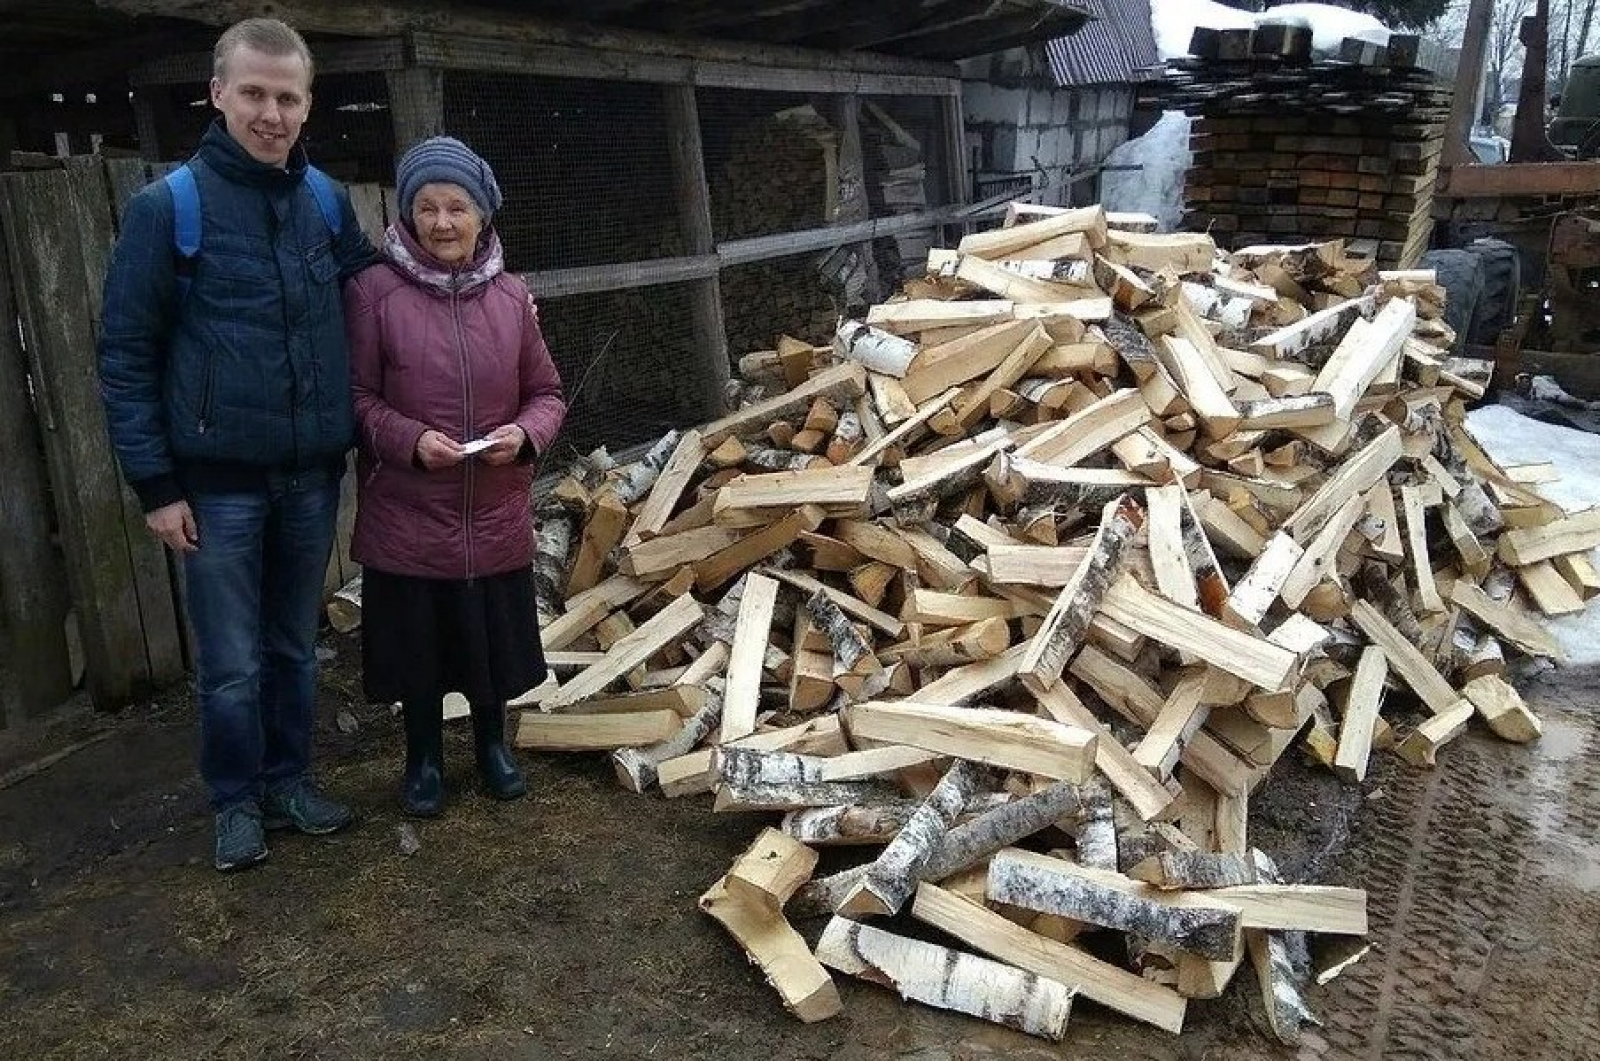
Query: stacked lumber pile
point(1024, 585)
point(1287, 150)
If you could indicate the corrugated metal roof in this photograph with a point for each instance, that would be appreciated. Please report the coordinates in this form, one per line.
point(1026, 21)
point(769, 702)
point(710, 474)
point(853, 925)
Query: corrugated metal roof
point(1116, 47)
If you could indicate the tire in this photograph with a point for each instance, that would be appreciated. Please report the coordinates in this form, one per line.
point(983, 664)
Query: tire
point(1460, 273)
point(1502, 289)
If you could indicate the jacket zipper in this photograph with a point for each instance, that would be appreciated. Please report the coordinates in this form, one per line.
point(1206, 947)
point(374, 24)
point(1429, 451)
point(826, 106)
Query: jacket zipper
point(288, 329)
point(466, 429)
point(208, 391)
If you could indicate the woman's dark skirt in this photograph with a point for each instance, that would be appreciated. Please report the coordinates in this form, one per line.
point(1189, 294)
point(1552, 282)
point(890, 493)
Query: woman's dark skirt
point(422, 638)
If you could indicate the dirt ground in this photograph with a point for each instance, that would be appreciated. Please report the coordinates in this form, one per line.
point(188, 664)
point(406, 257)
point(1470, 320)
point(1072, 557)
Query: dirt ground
point(564, 925)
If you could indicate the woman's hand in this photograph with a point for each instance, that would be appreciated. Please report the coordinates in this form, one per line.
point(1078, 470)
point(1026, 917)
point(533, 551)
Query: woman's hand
point(508, 442)
point(436, 450)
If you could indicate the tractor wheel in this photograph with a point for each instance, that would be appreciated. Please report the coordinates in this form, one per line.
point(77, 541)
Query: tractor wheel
point(1502, 283)
point(1460, 273)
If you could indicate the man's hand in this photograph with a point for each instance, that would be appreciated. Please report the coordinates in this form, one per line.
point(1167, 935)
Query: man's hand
point(174, 525)
point(436, 450)
point(508, 442)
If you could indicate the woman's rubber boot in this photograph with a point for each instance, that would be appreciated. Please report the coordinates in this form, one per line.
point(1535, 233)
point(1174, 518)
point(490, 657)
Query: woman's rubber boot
point(502, 778)
point(422, 792)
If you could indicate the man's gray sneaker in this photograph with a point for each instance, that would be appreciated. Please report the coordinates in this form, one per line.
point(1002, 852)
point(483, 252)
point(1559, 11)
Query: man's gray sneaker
point(300, 806)
point(240, 841)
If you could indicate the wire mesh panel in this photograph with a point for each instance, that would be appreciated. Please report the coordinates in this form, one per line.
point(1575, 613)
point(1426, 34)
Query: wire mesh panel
point(770, 158)
point(785, 296)
point(624, 358)
point(584, 165)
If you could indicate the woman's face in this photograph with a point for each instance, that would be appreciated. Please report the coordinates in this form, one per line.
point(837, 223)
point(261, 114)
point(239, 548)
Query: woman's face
point(447, 222)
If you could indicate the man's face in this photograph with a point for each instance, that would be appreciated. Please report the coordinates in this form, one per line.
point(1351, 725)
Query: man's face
point(264, 100)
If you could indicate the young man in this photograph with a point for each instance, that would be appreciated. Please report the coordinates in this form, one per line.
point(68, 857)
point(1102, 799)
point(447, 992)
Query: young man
point(225, 375)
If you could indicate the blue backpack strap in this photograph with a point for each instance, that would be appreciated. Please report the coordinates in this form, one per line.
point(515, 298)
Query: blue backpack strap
point(185, 222)
point(322, 189)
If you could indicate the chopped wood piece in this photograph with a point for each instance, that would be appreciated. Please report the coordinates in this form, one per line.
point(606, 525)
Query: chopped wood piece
point(999, 738)
point(757, 499)
point(754, 779)
point(666, 627)
point(1364, 352)
point(1001, 243)
point(1405, 658)
point(892, 878)
point(1256, 660)
point(1572, 534)
point(838, 384)
point(1317, 328)
point(572, 733)
point(781, 953)
point(1551, 594)
point(1148, 797)
point(751, 549)
point(1063, 629)
point(876, 349)
point(1580, 571)
point(874, 823)
point(947, 365)
point(1109, 985)
point(1189, 922)
point(1179, 870)
point(1411, 502)
point(771, 870)
point(1301, 410)
point(637, 768)
point(1183, 713)
point(746, 655)
point(1046, 566)
point(948, 979)
point(1286, 1010)
point(1088, 431)
point(1297, 907)
point(1254, 594)
point(1356, 475)
point(1363, 698)
point(607, 522)
point(1502, 707)
point(1520, 629)
point(1424, 742)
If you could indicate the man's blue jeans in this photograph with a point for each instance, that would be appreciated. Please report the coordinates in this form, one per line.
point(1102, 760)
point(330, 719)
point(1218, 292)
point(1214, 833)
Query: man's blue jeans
point(254, 589)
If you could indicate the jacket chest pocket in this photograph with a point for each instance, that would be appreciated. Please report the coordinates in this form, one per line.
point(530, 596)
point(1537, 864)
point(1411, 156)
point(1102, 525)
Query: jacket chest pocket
point(321, 264)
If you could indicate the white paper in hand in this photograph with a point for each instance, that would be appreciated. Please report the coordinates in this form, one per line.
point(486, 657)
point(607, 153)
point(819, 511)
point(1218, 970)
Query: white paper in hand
point(477, 445)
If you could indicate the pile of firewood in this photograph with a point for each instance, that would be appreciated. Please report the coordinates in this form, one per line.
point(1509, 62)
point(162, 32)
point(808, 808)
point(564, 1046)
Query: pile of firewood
point(1026, 582)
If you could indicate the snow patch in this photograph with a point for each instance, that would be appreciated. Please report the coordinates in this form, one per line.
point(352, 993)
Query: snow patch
point(1511, 438)
point(1156, 187)
point(1174, 23)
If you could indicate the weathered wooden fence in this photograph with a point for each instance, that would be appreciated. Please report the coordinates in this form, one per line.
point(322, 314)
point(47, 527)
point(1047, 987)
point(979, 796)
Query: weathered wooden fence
point(86, 593)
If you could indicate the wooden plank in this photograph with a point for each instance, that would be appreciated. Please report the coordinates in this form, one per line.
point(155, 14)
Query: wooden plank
point(35, 671)
point(1109, 985)
point(59, 234)
point(999, 738)
point(751, 632)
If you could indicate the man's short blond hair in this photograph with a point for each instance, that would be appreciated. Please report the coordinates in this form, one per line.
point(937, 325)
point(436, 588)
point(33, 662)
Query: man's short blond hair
point(269, 36)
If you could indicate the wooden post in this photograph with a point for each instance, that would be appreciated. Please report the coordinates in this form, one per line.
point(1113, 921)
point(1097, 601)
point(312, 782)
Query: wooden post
point(694, 211)
point(416, 105)
point(60, 239)
point(951, 158)
point(34, 669)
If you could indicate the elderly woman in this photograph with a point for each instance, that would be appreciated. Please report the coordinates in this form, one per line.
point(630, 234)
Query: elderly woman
point(455, 396)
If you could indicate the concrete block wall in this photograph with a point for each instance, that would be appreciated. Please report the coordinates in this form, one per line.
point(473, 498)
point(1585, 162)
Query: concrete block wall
point(1019, 123)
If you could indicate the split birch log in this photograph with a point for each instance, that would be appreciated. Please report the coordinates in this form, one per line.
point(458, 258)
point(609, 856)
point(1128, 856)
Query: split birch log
point(1000, 738)
point(754, 779)
point(1287, 1012)
point(552, 546)
point(874, 348)
point(1094, 833)
point(771, 871)
point(636, 767)
point(1062, 631)
point(747, 655)
point(1179, 870)
point(893, 876)
point(1502, 707)
point(344, 607)
point(1187, 922)
point(637, 478)
point(948, 979)
point(779, 951)
point(874, 823)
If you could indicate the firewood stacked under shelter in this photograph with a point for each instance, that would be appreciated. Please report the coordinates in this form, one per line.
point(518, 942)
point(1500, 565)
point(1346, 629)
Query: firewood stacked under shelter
point(1023, 586)
point(1287, 150)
